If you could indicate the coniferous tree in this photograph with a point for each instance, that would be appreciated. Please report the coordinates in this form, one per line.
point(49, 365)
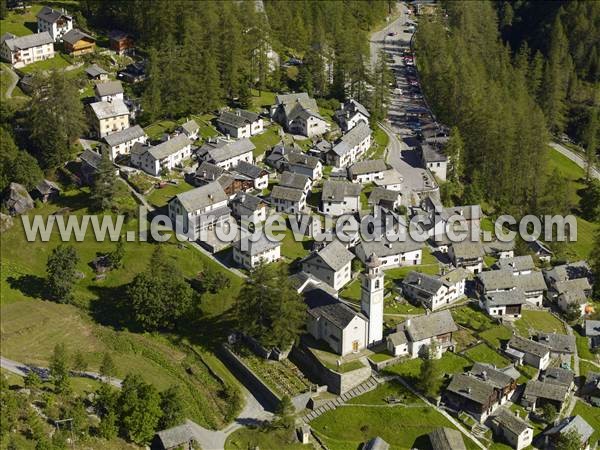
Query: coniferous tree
point(595, 265)
point(17, 165)
point(104, 190)
point(152, 94)
point(107, 367)
point(172, 407)
point(590, 142)
point(139, 406)
point(455, 150)
point(59, 369)
point(61, 273)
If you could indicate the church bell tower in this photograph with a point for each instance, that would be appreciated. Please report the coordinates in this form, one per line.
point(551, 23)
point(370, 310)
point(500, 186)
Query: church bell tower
point(372, 299)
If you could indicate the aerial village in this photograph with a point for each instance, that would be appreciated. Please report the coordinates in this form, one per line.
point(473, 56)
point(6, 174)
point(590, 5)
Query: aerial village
point(511, 329)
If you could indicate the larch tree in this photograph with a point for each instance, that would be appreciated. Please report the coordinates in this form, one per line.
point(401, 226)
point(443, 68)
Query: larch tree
point(61, 273)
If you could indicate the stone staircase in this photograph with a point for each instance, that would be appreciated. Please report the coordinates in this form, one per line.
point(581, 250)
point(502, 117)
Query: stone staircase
point(481, 432)
point(362, 388)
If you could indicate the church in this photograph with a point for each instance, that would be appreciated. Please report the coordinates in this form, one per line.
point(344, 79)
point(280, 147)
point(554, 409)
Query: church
point(341, 327)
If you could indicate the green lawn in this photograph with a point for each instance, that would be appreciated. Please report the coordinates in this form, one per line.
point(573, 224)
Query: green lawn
point(156, 130)
point(495, 334)
point(585, 367)
point(379, 144)
point(352, 290)
point(292, 249)
point(266, 438)
point(592, 416)
point(262, 101)
point(485, 354)
point(379, 395)
point(532, 321)
point(60, 61)
point(472, 317)
point(160, 197)
point(266, 140)
point(583, 346)
point(207, 130)
point(21, 24)
point(449, 363)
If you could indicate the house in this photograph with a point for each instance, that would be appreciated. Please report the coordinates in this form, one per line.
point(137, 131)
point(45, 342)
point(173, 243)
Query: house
point(258, 175)
point(78, 43)
point(340, 197)
point(592, 332)
point(503, 304)
point(255, 250)
point(205, 173)
point(240, 123)
point(95, 72)
point(227, 154)
point(518, 265)
point(385, 198)
point(343, 329)
point(444, 438)
point(17, 200)
point(577, 424)
point(321, 148)
point(56, 23)
point(435, 292)
point(350, 146)
point(249, 208)
point(90, 162)
point(558, 375)
point(121, 142)
point(367, 171)
point(195, 212)
point(121, 42)
point(539, 393)
point(570, 284)
point(468, 255)
point(46, 190)
point(541, 250)
point(164, 156)
point(528, 352)
point(499, 249)
point(297, 162)
point(133, 73)
point(559, 344)
point(179, 437)
point(418, 335)
point(109, 117)
point(277, 158)
point(190, 129)
point(590, 390)
point(434, 160)
point(510, 428)
point(288, 200)
point(376, 444)
point(391, 180)
point(392, 254)
point(350, 114)
point(531, 283)
point(24, 50)
point(108, 91)
point(472, 395)
point(233, 183)
point(332, 265)
point(299, 114)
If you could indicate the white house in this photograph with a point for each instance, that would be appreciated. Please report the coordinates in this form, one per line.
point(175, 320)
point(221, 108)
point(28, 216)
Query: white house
point(258, 175)
point(367, 171)
point(570, 284)
point(526, 351)
point(24, 50)
point(385, 198)
point(332, 265)
point(435, 292)
point(468, 255)
point(240, 123)
point(256, 250)
point(390, 180)
point(434, 160)
point(340, 197)
point(248, 207)
point(304, 164)
point(227, 154)
point(350, 114)
point(195, 212)
point(505, 305)
point(510, 428)
point(419, 334)
point(530, 283)
point(109, 117)
point(518, 265)
point(164, 156)
point(121, 142)
point(109, 91)
point(290, 194)
point(391, 253)
point(55, 22)
point(299, 114)
point(191, 129)
point(350, 147)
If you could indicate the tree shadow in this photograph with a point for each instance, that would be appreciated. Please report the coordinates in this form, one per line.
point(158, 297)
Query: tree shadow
point(422, 442)
point(29, 285)
point(110, 308)
point(31, 26)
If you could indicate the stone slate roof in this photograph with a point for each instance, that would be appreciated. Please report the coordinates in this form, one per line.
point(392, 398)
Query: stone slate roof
point(384, 247)
point(95, 70)
point(376, 444)
point(425, 282)
point(303, 160)
point(238, 118)
point(170, 146)
point(50, 15)
point(579, 269)
point(592, 328)
point(538, 389)
point(431, 154)
point(391, 176)
point(203, 196)
point(505, 298)
point(470, 387)
point(352, 138)
point(286, 193)
point(467, 250)
point(337, 191)
point(528, 346)
point(126, 135)
point(209, 171)
point(573, 285)
point(337, 313)
point(91, 158)
point(46, 187)
point(298, 106)
point(398, 338)
point(577, 423)
point(176, 436)
point(74, 35)
point(109, 88)
point(105, 110)
point(557, 375)
point(517, 263)
point(352, 107)
point(222, 151)
point(293, 180)
point(262, 244)
point(335, 255)
point(25, 42)
point(444, 438)
point(249, 201)
point(190, 127)
point(367, 166)
point(18, 199)
point(430, 325)
point(507, 420)
point(380, 194)
point(559, 343)
point(249, 170)
point(505, 279)
point(490, 375)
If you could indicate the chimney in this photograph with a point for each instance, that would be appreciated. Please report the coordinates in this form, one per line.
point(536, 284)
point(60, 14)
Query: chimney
point(484, 375)
point(204, 174)
point(517, 414)
point(388, 244)
point(468, 390)
point(210, 197)
point(407, 323)
point(419, 281)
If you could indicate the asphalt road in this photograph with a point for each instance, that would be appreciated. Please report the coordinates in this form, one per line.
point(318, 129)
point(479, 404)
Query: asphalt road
point(574, 157)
